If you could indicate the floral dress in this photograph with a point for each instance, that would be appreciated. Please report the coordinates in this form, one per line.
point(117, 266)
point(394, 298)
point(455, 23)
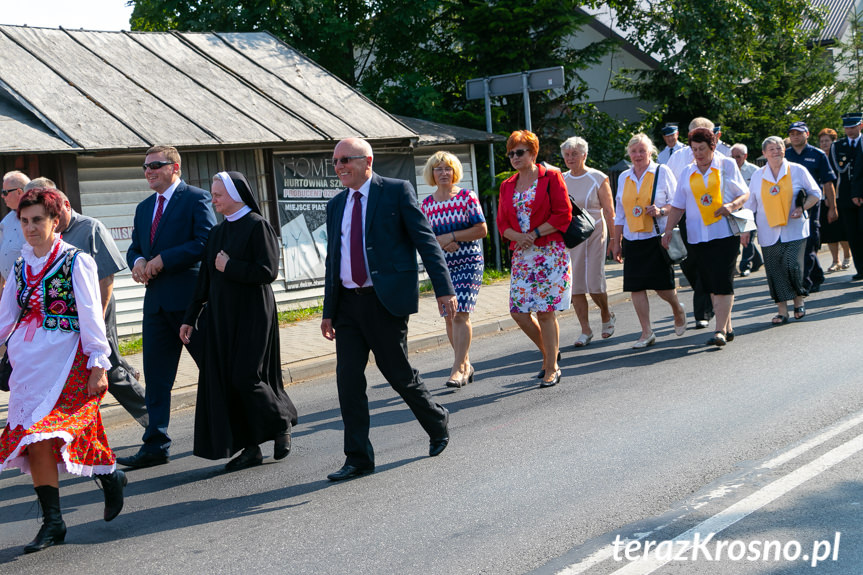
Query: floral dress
point(541, 275)
point(52, 351)
point(459, 212)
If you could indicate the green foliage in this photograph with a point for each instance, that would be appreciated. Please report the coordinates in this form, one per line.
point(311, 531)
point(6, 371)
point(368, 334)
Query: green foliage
point(300, 314)
point(743, 63)
point(131, 346)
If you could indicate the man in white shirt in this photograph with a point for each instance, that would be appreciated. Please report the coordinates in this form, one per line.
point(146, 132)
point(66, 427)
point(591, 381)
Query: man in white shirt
point(670, 134)
point(750, 257)
point(11, 236)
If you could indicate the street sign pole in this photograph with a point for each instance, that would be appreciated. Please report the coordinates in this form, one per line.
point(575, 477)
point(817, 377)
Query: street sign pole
point(526, 95)
point(492, 173)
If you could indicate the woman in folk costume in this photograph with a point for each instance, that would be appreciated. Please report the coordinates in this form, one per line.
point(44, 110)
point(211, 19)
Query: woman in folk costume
point(241, 397)
point(780, 193)
point(59, 355)
point(709, 190)
point(643, 200)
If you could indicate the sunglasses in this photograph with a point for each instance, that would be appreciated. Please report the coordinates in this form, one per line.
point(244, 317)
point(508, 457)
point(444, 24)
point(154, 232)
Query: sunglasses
point(5, 193)
point(520, 152)
point(157, 165)
point(345, 159)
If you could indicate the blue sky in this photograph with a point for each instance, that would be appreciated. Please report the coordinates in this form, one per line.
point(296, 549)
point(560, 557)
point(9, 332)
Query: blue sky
point(90, 15)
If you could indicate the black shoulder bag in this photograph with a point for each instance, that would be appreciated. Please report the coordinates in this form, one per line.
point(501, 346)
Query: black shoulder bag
point(580, 227)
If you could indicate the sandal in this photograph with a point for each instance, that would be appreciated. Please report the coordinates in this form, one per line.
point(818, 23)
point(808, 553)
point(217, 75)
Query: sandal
point(718, 339)
point(834, 268)
point(779, 319)
point(583, 340)
point(608, 327)
point(846, 263)
point(799, 312)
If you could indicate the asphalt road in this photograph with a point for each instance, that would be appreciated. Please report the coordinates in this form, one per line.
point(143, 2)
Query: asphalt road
point(760, 439)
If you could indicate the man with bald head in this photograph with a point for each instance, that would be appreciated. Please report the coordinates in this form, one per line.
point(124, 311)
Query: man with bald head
point(374, 231)
point(11, 236)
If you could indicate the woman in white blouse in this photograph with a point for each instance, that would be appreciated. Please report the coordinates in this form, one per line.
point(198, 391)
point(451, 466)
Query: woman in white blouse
point(59, 355)
point(708, 191)
point(780, 193)
point(644, 193)
point(591, 191)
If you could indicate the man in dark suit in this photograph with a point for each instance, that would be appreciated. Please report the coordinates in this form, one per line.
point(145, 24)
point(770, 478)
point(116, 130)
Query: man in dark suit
point(847, 154)
point(374, 231)
point(168, 238)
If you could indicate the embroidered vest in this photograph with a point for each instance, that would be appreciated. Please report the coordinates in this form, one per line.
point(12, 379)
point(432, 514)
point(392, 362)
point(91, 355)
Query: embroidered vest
point(776, 199)
point(636, 201)
point(709, 198)
point(58, 301)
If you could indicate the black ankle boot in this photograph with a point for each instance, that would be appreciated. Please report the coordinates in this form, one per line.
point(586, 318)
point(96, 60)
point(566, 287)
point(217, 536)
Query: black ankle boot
point(53, 530)
point(112, 485)
point(282, 446)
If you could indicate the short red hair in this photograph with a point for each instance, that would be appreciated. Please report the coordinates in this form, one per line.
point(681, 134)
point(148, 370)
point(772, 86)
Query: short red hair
point(47, 197)
point(523, 137)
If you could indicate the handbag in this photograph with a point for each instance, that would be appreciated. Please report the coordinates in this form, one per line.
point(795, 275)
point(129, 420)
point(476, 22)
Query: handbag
point(676, 251)
point(580, 227)
point(741, 221)
point(5, 365)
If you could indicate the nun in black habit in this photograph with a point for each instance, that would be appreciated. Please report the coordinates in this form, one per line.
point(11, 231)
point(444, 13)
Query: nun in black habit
point(241, 397)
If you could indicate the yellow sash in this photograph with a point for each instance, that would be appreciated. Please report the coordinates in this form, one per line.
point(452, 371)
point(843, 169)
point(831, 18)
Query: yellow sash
point(635, 201)
point(708, 199)
point(776, 199)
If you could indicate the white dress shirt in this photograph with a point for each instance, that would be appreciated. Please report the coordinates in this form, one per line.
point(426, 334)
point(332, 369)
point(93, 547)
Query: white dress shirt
point(733, 186)
point(345, 267)
point(796, 228)
point(665, 187)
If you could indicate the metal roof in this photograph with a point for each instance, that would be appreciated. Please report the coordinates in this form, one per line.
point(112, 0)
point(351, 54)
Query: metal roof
point(836, 17)
point(434, 134)
point(78, 90)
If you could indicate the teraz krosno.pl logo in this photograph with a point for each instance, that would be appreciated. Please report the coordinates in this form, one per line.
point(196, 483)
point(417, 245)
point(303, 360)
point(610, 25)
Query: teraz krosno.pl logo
point(706, 549)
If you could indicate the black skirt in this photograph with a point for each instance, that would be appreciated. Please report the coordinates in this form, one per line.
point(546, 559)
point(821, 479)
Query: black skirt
point(645, 266)
point(831, 232)
point(716, 261)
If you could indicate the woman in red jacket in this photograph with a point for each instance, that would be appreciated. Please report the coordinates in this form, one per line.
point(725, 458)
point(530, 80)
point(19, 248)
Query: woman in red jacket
point(533, 209)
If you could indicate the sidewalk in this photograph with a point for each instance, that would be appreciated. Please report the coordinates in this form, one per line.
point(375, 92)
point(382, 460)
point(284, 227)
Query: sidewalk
point(306, 354)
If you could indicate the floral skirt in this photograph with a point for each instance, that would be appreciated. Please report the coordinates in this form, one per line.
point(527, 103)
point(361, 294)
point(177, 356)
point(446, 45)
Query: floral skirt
point(541, 279)
point(75, 422)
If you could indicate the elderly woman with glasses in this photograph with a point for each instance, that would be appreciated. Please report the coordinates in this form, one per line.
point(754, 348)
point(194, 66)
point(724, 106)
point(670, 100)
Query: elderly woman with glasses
point(780, 192)
point(533, 210)
point(456, 218)
point(591, 191)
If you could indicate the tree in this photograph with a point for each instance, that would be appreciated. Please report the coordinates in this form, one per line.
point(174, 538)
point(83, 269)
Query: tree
point(747, 64)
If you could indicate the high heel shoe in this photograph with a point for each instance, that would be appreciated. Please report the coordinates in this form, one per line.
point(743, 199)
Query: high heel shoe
point(554, 381)
point(541, 373)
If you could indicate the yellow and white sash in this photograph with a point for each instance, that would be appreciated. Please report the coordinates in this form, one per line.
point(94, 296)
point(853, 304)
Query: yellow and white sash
point(635, 201)
point(708, 199)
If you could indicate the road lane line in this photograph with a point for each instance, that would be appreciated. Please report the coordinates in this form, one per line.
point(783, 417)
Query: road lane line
point(746, 506)
point(827, 434)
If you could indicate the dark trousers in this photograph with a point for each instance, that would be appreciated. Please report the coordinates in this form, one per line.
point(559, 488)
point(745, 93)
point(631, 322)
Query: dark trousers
point(121, 379)
point(702, 304)
point(750, 257)
point(813, 273)
point(162, 349)
point(852, 220)
point(362, 324)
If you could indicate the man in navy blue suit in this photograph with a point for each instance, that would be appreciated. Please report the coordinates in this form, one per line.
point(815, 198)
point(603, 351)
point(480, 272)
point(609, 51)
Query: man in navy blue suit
point(171, 229)
point(374, 231)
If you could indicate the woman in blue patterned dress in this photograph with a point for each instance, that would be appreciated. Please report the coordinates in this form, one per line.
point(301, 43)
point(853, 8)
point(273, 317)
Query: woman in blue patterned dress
point(456, 217)
point(534, 208)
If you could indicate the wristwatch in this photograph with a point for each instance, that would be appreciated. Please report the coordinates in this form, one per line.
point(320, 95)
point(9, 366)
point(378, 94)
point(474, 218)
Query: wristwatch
point(536, 231)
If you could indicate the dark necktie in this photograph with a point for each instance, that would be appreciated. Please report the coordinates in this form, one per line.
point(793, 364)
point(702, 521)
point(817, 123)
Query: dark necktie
point(358, 260)
point(157, 217)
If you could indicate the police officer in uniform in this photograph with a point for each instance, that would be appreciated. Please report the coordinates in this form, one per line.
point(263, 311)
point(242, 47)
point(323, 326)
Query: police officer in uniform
point(670, 133)
point(814, 160)
point(848, 158)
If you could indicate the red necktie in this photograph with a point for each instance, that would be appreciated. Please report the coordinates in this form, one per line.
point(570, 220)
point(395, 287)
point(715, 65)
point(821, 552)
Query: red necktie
point(358, 260)
point(157, 217)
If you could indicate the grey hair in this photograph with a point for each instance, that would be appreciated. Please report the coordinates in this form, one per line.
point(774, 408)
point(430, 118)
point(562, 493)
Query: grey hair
point(574, 143)
point(772, 140)
point(643, 138)
point(700, 122)
point(742, 147)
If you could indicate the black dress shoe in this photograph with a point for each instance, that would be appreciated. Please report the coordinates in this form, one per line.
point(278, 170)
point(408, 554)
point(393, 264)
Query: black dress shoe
point(249, 457)
point(347, 471)
point(144, 459)
point(282, 446)
point(856, 277)
point(112, 486)
point(438, 444)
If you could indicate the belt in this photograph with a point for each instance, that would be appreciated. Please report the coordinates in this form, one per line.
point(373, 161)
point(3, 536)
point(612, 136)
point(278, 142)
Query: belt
point(359, 291)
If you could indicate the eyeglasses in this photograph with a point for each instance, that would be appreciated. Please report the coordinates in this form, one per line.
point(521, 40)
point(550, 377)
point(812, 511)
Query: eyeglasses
point(157, 165)
point(520, 152)
point(9, 191)
point(443, 169)
point(345, 159)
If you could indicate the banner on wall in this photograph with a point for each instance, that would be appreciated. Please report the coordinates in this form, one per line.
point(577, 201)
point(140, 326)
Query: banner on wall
point(304, 185)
